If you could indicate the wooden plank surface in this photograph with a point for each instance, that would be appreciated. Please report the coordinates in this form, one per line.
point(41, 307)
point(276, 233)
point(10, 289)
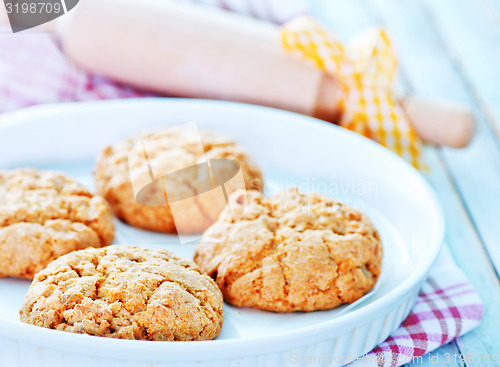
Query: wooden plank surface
point(347, 19)
point(433, 73)
point(469, 254)
point(414, 36)
point(466, 180)
point(476, 170)
point(492, 9)
point(471, 36)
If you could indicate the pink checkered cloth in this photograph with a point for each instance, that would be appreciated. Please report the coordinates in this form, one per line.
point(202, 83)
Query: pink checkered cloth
point(34, 71)
point(446, 308)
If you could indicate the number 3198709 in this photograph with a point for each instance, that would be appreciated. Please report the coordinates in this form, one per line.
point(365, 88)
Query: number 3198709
point(33, 8)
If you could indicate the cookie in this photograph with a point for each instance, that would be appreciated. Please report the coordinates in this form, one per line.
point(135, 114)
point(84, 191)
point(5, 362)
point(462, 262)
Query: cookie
point(45, 214)
point(181, 152)
point(125, 292)
point(290, 252)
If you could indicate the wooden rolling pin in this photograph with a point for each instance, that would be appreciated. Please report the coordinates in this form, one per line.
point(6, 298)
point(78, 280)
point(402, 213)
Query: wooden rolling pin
point(182, 49)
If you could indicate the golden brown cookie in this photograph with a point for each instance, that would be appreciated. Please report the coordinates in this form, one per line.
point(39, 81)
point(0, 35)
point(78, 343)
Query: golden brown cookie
point(290, 252)
point(170, 151)
point(125, 292)
point(45, 214)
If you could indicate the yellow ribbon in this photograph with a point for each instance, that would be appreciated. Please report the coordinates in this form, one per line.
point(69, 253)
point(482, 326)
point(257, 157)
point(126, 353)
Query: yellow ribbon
point(366, 70)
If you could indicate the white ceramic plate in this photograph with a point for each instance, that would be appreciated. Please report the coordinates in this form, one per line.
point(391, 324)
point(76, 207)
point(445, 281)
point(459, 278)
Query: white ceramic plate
point(293, 150)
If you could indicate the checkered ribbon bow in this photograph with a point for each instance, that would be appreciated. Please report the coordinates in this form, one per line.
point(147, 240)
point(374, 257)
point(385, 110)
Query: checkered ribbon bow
point(366, 70)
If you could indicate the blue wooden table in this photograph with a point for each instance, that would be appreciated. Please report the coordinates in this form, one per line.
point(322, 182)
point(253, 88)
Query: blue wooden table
point(450, 49)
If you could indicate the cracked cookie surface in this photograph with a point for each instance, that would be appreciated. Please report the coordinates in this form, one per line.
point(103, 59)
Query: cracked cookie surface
point(290, 252)
point(125, 292)
point(45, 214)
point(168, 151)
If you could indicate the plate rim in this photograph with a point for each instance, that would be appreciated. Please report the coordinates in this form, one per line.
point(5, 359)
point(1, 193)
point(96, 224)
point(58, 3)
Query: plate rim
point(70, 342)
